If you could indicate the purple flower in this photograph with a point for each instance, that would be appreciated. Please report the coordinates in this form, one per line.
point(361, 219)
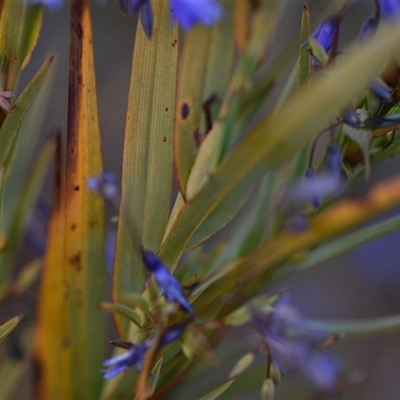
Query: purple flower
point(124, 362)
point(168, 284)
point(325, 33)
point(291, 345)
point(333, 160)
point(136, 353)
point(390, 9)
point(191, 12)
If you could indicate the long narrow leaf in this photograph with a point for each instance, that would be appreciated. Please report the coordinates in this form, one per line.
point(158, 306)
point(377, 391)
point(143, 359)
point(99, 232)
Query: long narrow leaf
point(277, 138)
point(148, 151)
point(84, 213)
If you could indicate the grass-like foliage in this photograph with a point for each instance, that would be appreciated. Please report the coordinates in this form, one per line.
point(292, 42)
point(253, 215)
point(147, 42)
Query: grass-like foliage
point(264, 138)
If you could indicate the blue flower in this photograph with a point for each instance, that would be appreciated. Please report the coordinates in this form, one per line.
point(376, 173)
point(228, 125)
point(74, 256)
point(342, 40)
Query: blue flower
point(390, 9)
point(292, 345)
point(325, 33)
point(191, 12)
point(168, 284)
point(136, 353)
point(124, 362)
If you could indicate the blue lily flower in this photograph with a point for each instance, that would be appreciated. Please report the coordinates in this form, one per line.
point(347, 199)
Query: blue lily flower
point(325, 33)
point(124, 362)
point(136, 353)
point(292, 345)
point(191, 12)
point(168, 284)
point(390, 10)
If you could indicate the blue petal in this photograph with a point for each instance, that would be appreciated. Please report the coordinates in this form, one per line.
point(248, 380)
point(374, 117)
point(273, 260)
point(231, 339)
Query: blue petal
point(173, 333)
point(368, 29)
point(191, 12)
point(168, 284)
point(126, 361)
point(321, 368)
point(390, 9)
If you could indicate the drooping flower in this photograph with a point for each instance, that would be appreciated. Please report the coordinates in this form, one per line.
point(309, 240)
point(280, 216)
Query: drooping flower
point(292, 345)
point(325, 33)
point(390, 10)
point(136, 353)
point(191, 12)
point(124, 362)
point(168, 284)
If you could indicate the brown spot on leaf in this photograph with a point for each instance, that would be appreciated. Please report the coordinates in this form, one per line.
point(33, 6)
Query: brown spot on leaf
point(164, 139)
point(197, 137)
point(76, 261)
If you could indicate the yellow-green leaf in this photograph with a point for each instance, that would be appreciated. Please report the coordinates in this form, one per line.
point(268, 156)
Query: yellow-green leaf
point(205, 70)
point(8, 327)
point(277, 138)
point(71, 333)
point(148, 151)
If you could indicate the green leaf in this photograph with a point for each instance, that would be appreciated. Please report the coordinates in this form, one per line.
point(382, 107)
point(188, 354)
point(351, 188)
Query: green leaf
point(27, 276)
point(305, 56)
point(155, 375)
point(276, 139)
point(125, 311)
point(325, 226)
point(318, 51)
point(9, 131)
point(148, 152)
point(218, 391)
point(241, 365)
point(19, 32)
point(22, 210)
point(70, 355)
point(344, 244)
point(8, 327)
point(373, 326)
point(205, 70)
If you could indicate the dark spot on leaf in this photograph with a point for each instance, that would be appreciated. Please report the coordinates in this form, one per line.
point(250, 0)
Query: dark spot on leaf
point(76, 188)
point(174, 43)
point(73, 227)
point(164, 139)
point(197, 137)
point(166, 109)
point(185, 110)
point(76, 261)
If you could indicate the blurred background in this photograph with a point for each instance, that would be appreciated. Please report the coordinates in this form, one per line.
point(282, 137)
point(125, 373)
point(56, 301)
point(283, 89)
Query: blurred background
point(364, 283)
